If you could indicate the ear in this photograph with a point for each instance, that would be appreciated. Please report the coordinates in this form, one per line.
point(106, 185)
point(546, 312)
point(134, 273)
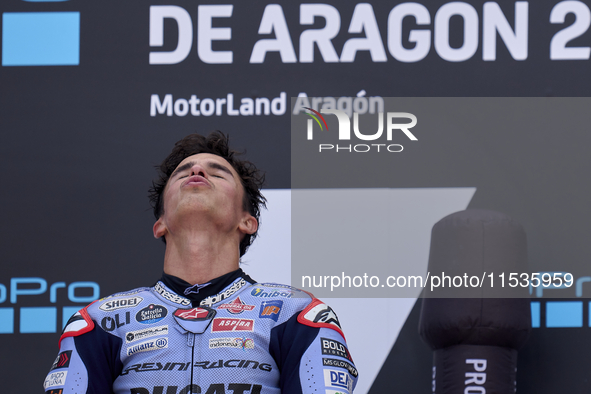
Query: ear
point(249, 224)
point(159, 228)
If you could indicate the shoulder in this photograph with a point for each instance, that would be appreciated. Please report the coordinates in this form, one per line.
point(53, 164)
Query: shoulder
point(104, 312)
point(284, 293)
point(126, 299)
point(310, 310)
point(123, 300)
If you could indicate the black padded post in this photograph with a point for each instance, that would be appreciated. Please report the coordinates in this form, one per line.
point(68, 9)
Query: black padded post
point(475, 338)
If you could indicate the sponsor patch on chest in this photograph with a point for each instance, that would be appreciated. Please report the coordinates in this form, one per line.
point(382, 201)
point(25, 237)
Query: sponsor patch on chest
point(153, 344)
point(236, 343)
point(153, 313)
point(236, 306)
point(232, 324)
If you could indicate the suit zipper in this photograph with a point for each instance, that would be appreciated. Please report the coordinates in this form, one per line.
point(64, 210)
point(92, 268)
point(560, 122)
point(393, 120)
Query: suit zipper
point(191, 342)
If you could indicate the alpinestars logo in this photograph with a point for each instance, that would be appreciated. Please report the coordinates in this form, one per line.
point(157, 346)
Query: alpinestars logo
point(195, 314)
point(214, 299)
point(319, 314)
point(171, 296)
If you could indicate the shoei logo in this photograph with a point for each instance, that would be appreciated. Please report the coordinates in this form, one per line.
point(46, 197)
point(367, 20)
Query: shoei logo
point(41, 38)
point(395, 122)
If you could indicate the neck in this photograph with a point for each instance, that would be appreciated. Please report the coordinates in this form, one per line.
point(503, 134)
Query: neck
point(200, 257)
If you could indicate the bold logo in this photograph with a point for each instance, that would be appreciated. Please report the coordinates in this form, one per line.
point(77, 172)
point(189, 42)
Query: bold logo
point(62, 360)
point(184, 366)
point(271, 309)
point(153, 344)
point(258, 292)
point(109, 324)
point(338, 379)
point(177, 299)
point(121, 303)
point(236, 343)
point(55, 379)
point(236, 306)
point(133, 336)
point(335, 348)
point(333, 362)
point(232, 324)
point(151, 314)
point(214, 299)
point(196, 314)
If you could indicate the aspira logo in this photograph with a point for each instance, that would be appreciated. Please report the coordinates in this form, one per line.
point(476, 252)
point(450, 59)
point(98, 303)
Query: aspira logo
point(393, 124)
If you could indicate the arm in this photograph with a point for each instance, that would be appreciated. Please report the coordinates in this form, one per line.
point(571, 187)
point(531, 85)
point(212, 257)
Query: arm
point(88, 361)
point(311, 353)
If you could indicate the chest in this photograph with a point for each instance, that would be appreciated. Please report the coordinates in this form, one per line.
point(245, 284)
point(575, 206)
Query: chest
point(198, 350)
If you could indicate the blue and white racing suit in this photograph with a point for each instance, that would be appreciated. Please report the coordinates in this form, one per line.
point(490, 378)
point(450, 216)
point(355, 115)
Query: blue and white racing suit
point(247, 338)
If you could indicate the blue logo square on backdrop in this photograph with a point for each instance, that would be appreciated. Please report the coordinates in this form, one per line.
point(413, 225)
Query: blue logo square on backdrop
point(40, 38)
point(38, 319)
point(6, 320)
point(564, 314)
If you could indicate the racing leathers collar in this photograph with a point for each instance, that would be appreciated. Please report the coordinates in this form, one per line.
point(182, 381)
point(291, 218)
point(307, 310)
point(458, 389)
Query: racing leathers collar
point(197, 293)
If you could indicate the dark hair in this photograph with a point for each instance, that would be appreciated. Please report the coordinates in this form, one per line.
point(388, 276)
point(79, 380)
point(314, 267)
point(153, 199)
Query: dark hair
point(218, 144)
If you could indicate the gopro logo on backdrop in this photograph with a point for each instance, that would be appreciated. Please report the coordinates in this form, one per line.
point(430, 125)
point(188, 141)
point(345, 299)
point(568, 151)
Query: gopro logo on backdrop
point(41, 38)
point(40, 319)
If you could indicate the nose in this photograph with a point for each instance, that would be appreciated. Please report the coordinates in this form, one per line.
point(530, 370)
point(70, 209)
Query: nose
point(198, 169)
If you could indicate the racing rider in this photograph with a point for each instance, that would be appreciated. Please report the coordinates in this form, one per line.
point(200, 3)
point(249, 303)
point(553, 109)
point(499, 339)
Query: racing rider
point(205, 327)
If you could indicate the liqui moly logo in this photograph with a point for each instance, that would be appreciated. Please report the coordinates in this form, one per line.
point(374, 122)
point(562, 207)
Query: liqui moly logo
point(374, 141)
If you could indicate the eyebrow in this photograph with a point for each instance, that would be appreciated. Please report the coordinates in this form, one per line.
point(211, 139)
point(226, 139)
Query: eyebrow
point(209, 164)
